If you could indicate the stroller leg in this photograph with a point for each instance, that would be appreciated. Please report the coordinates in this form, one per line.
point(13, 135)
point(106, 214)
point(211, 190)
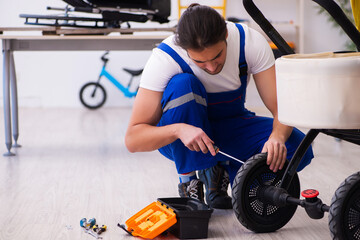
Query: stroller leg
point(295, 160)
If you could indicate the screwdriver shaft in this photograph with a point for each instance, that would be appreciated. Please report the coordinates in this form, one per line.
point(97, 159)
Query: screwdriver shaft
point(229, 156)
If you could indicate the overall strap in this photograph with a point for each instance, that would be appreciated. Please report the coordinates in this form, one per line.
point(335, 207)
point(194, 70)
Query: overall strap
point(243, 68)
point(184, 66)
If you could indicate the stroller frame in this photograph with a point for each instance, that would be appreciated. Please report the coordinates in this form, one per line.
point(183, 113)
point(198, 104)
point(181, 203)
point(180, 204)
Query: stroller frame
point(350, 135)
point(264, 201)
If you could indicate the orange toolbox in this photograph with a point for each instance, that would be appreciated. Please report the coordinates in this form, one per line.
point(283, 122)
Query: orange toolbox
point(183, 217)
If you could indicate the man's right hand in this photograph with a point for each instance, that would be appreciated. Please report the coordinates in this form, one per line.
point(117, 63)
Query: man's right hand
point(195, 139)
point(143, 134)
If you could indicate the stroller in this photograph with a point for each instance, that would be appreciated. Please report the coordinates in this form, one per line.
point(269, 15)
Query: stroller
point(113, 12)
point(265, 201)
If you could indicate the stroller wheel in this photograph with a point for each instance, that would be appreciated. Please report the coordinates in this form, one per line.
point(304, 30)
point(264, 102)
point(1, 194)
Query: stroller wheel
point(344, 215)
point(250, 207)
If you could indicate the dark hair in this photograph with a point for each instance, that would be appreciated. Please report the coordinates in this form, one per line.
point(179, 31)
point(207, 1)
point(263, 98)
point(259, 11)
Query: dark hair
point(199, 27)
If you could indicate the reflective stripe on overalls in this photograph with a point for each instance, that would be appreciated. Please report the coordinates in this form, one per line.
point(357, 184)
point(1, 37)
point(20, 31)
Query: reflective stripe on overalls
point(222, 116)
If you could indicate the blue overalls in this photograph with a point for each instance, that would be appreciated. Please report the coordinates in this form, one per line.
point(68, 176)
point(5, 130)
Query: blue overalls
point(222, 116)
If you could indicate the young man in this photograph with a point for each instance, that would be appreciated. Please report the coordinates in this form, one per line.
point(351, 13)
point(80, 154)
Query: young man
point(192, 96)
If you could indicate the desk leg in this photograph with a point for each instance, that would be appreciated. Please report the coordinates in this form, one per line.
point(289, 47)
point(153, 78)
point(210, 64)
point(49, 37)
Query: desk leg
point(14, 101)
point(6, 89)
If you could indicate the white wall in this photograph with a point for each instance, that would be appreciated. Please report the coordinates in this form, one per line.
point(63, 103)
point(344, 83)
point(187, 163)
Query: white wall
point(49, 79)
point(319, 35)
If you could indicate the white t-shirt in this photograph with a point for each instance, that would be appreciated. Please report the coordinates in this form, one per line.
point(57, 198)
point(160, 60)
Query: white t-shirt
point(161, 67)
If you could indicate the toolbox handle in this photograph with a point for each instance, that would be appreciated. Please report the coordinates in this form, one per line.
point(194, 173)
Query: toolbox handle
point(122, 226)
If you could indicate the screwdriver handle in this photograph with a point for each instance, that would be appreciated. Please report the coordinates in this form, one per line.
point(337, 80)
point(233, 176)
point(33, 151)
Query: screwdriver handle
point(216, 149)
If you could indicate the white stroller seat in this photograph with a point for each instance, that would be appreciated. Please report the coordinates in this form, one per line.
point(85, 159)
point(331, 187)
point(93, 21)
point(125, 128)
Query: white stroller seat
point(319, 90)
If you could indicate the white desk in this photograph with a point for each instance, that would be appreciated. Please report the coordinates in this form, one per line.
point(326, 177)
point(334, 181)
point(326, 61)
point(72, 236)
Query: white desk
point(55, 43)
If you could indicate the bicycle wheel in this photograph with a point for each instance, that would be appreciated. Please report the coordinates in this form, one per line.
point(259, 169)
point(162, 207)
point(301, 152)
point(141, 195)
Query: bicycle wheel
point(344, 214)
point(250, 207)
point(92, 95)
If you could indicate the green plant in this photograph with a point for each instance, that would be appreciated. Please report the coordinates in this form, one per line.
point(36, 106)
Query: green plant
point(346, 7)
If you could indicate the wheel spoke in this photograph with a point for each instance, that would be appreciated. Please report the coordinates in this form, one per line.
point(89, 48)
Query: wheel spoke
point(264, 212)
point(253, 198)
point(353, 220)
point(356, 206)
point(256, 206)
point(357, 228)
point(93, 93)
point(260, 181)
point(268, 178)
point(354, 231)
point(277, 179)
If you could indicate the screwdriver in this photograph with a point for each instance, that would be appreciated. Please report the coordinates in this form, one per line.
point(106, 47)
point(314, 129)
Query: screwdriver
point(217, 150)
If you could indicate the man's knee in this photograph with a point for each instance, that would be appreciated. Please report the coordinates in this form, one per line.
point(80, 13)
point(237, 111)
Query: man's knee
point(184, 98)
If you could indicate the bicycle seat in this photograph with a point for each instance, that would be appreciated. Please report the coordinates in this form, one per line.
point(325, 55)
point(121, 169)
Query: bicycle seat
point(133, 72)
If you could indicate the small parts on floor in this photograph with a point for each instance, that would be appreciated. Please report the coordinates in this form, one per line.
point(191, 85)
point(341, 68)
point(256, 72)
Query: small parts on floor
point(98, 229)
point(92, 228)
point(69, 227)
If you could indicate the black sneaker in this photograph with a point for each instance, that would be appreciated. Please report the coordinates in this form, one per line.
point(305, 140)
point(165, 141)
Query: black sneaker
point(216, 181)
point(193, 189)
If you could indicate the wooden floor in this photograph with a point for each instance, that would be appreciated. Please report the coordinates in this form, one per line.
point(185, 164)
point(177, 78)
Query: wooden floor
point(73, 164)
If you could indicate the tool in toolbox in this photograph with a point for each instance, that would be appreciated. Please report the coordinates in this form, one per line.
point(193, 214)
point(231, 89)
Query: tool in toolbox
point(217, 150)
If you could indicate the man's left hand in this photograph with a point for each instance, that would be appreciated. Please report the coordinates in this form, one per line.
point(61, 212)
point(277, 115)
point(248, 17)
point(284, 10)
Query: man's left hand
point(276, 154)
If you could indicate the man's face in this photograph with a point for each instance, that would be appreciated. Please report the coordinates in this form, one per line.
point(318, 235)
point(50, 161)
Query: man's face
point(211, 59)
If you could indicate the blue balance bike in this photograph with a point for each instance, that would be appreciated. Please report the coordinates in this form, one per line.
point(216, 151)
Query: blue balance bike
point(93, 94)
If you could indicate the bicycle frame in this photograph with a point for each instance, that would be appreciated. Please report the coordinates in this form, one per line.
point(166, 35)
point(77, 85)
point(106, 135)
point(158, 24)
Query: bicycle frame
point(125, 90)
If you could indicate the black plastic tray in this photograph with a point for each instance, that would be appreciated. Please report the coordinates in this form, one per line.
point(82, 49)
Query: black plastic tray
point(192, 217)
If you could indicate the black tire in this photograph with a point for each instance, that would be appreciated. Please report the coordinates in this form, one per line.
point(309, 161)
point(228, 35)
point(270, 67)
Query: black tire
point(249, 206)
point(91, 99)
point(344, 214)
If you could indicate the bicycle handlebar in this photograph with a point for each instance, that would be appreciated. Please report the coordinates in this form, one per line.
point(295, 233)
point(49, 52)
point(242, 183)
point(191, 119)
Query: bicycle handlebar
point(103, 57)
